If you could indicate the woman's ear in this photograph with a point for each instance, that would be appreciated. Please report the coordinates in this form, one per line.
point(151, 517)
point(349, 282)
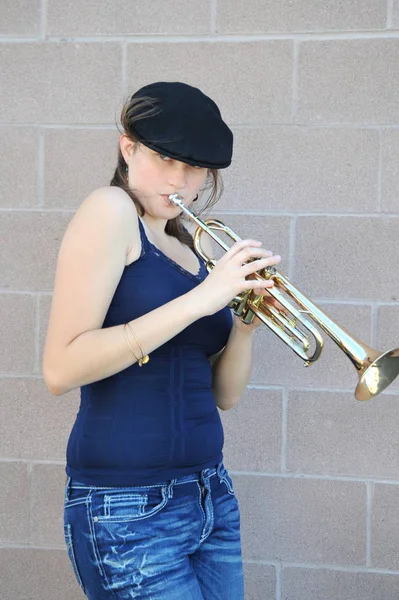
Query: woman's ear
point(127, 146)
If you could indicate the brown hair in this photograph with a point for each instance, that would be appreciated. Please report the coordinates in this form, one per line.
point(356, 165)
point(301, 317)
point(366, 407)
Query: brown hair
point(133, 110)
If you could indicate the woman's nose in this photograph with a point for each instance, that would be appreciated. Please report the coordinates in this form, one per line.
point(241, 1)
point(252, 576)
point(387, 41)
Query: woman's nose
point(177, 175)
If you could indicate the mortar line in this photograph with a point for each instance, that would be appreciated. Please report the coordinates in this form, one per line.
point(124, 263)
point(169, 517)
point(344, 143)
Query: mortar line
point(36, 342)
point(320, 388)
point(284, 424)
point(19, 546)
point(295, 78)
point(213, 16)
point(374, 325)
point(323, 566)
point(238, 212)
point(316, 300)
point(43, 20)
point(314, 477)
point(278, 571)
point(303, 36)
point(29, 469)
point(40, 167)
point(292, 242)
point(369, 521)
point(379, 171)
point(390, 5)
point(124, 72)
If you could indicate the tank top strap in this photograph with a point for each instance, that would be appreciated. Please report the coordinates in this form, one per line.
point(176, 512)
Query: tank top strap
point(145, 244)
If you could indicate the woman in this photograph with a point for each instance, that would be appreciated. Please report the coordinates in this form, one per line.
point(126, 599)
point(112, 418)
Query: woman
point(138, 324)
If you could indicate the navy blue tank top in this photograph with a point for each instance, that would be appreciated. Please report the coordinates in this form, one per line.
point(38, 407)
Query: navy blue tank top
point(157, 422)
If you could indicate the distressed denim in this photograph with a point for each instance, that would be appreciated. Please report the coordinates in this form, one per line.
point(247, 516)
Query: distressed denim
point(177, 540)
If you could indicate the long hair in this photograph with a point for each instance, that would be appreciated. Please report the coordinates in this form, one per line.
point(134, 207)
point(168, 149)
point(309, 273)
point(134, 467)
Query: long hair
point(133, 110)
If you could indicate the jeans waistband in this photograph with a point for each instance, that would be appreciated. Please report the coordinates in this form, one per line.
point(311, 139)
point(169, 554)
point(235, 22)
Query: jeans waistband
point(203, 477)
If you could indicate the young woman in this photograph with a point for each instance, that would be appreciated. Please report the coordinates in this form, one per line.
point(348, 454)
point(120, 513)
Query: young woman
point(138, 324)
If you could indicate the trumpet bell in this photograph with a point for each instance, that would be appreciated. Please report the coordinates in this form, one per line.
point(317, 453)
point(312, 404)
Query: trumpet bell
point(377, 375)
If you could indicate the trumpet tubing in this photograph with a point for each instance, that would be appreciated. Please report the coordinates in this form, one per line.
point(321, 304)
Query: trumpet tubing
point(376, 370)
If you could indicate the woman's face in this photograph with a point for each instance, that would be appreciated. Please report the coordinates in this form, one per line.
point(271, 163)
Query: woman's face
point(153, 177)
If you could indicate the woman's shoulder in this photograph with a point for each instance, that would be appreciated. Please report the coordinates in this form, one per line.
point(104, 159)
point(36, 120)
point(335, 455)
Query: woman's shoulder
point(110, 213)
point(110, 199)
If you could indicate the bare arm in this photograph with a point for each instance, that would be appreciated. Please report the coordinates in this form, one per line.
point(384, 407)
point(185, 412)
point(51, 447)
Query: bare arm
point(100, 353)
point(231, 369)
point(90, 263)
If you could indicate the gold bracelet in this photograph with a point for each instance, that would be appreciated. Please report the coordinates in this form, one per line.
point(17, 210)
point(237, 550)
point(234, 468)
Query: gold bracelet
point(128, 343)
point(144, 359)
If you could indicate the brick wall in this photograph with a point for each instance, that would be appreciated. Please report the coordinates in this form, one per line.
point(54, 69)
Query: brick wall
point(311, 92)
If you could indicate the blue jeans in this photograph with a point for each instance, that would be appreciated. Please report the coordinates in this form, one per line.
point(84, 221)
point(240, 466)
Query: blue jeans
point(178, 540)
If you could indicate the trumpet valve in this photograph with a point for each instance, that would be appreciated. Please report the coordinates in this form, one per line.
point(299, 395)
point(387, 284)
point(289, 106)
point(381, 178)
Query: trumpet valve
point(269, 272)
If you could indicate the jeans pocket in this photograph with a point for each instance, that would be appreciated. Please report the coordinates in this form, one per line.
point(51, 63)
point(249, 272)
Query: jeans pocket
point(124, 506)
point(71, 552)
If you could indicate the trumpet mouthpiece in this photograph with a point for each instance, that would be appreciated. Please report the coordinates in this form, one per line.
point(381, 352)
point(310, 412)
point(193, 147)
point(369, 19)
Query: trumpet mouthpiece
point(175, 199)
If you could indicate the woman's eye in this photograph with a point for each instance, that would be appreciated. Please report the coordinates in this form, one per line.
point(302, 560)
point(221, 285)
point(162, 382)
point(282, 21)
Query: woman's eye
point(164, 157)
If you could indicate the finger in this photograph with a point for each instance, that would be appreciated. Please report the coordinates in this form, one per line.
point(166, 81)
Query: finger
point(250, 253)
point(257, 265)
point(248, 284)
point(262, 290)
point(272, 302)
point(239, 246)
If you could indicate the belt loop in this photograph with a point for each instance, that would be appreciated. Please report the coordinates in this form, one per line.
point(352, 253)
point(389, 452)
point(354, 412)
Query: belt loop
point(205, 478)
point(170, 488)
point(67, 488)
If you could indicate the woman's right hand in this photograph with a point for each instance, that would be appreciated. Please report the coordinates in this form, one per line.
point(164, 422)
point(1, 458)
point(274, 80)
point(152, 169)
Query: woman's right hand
point(228, 277)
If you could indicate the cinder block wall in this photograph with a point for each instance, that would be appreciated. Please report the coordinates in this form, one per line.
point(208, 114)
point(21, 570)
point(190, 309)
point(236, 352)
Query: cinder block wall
point(311, 91)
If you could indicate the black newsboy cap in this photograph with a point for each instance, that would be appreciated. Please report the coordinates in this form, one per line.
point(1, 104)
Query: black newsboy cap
point(187, 127)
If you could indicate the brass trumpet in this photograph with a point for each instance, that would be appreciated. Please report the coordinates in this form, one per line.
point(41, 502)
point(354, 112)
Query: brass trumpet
point(376, 370)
